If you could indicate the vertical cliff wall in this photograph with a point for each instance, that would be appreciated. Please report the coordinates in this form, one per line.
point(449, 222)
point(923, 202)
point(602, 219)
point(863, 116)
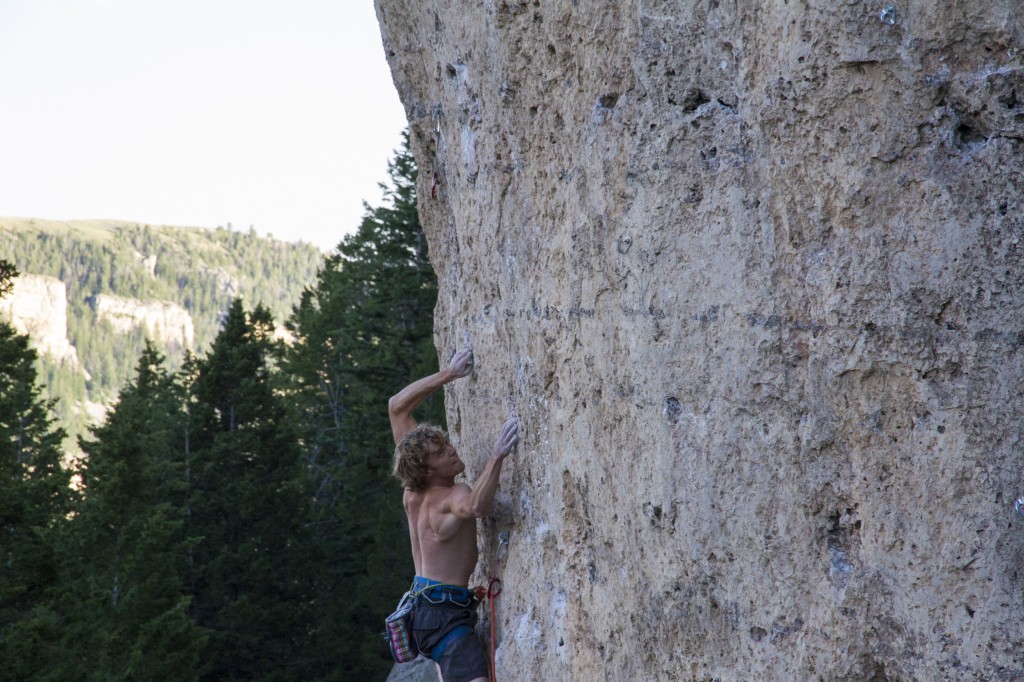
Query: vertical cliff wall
point(38, 308)
point(750, 274)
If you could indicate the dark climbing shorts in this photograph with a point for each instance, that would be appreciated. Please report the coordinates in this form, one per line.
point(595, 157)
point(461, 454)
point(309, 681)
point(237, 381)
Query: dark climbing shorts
point(437, 613)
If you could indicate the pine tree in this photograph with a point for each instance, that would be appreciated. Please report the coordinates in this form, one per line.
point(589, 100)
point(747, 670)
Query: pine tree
point(365, 330)
point(7, 274)
point(249, 504)
point(128, 601)
point(34, 503)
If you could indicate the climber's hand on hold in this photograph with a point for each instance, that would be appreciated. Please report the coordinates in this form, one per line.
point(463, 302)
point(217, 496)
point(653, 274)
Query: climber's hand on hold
point(507, 439)
point(402, 404)
point(462, 363)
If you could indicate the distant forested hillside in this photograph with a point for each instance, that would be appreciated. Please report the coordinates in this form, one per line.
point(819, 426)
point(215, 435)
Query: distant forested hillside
point(200, 270)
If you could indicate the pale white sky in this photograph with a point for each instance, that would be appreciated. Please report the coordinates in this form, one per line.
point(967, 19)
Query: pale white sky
point(271, 113)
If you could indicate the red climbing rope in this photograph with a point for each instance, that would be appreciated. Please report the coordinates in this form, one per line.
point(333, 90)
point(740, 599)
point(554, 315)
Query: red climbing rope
point(493, 590)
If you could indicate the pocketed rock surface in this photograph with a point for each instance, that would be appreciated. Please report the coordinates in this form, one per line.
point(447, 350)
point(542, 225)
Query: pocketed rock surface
point(750, 275)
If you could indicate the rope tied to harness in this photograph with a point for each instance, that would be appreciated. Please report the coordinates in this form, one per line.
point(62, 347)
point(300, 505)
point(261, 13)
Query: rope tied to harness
point(494, 587)
point(493, 590)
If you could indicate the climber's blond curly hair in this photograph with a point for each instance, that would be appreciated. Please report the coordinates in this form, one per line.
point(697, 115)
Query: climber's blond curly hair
point(410, 465)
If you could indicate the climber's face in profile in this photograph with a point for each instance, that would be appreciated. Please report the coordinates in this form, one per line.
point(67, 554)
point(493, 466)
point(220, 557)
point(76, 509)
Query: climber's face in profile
point(445, 462)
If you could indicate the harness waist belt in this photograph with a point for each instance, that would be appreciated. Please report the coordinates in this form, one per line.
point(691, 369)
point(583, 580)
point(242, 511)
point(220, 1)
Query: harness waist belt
point(434, 589)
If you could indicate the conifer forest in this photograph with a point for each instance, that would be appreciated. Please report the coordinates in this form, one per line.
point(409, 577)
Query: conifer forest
point(233, 517)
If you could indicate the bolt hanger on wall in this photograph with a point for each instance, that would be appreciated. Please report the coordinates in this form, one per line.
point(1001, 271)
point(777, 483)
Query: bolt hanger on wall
point(889, 15)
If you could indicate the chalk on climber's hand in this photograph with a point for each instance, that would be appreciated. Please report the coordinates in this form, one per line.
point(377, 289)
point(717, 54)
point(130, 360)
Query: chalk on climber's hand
point(461, 364)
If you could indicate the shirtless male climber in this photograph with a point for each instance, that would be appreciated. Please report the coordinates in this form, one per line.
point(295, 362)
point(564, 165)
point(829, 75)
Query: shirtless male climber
point(442, 525)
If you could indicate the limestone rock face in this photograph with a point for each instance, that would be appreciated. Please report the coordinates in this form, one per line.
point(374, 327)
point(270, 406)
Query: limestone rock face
point(750, 274)
point(38, 307)
point(167, 323)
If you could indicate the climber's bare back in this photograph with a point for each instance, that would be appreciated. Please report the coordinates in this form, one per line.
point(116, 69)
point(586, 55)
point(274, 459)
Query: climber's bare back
point(443, 545)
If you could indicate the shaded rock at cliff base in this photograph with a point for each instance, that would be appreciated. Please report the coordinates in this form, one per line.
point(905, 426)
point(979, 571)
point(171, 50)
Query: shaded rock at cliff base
point(420, 670)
